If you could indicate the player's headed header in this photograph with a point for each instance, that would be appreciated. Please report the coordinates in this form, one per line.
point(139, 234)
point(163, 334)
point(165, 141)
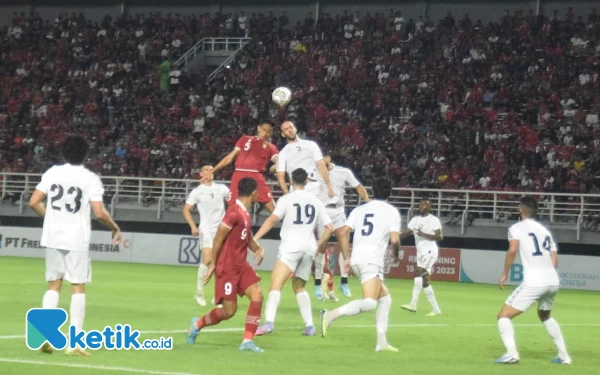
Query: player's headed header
point(299, 177)
point(247, 187)
point(528, 207)
point(75, 149)
point(382, 188)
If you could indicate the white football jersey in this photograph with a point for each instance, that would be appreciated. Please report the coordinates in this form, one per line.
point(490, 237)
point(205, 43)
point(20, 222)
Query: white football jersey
point(535, 245)
point(67, 223)
point(301, 154)
point(427, 224)
point(210, 201)
point(372, 224)
point(340, 178)
point(301, 212)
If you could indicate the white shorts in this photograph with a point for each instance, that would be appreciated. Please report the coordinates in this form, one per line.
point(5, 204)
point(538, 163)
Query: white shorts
point(299, 263)
point(72, 266)
point(206, 239)
point(426, 261)
point(524, 296)
point(367, 271)
point(311, 187)
point(337, 216)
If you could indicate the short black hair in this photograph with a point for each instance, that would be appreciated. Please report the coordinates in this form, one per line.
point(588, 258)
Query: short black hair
point(268, 122)
point(75, 149)
point(529, 205)
point(382, 188)
point(246, 186)
point(299, 176)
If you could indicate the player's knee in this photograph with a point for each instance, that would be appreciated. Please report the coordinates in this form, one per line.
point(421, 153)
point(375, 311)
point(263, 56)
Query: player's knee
point(369, 304)
point(425, 281)
point(544, 315)
point(418, 281)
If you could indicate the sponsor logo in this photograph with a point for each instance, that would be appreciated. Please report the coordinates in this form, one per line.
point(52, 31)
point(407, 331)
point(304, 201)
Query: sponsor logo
point(189, 250)
point(28, 243)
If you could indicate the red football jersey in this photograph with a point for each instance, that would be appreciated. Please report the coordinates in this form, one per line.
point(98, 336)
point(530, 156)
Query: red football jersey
point(255, 153)
point(235, 249)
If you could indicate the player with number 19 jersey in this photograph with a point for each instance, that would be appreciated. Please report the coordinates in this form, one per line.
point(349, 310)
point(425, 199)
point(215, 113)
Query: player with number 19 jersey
point(233, 272)
point(252, 161)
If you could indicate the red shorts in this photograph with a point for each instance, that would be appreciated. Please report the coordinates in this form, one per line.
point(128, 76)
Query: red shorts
point(264, 191)
point(232, 283)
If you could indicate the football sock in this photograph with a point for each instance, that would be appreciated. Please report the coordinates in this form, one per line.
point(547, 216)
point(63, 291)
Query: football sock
point(416, 291)
point(213, 317)
point(507, 333)
point(77, 310)
point(252, 320)
point(272, 304)
point(382, 319)
point(319, 259)
point(431, 298)
point(305, 309)
point(202, 271)
point(554, 330)
point(353, 308)
point(50, 300)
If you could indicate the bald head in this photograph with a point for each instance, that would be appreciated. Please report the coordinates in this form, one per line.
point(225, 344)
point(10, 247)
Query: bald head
point(288, 131)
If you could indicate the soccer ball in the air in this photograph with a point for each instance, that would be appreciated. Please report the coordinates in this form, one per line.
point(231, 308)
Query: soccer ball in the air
point(282, 96)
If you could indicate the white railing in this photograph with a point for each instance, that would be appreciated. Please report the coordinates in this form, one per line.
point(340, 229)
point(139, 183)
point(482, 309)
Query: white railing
point(211, 44)
point(460, 207)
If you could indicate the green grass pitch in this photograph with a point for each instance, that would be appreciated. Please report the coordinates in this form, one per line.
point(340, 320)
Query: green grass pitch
point(464, 340)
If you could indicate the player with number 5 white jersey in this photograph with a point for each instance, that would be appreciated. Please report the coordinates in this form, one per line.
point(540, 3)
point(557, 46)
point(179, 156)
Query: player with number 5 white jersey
point(538, 253)
point(301, 212)
point(72, 191)
point(375, 225)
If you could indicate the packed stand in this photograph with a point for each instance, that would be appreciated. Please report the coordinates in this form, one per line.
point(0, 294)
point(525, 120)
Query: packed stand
point(454, 104)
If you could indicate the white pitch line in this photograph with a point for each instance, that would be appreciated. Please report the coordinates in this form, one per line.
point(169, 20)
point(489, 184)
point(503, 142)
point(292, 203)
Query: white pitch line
point(424, 325)
point(93, 367)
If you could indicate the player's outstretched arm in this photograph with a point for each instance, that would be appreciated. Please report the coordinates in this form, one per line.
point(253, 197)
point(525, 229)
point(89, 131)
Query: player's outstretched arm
point(36, 202)
point(281, 181)
point(187, 214)
point(511, 254)
point(362, 192)
point(227, 160)
point(395, 241)
point(258, 251)
point(266, 227)
point(104, 217)
point(407, 232)
point(325, 174)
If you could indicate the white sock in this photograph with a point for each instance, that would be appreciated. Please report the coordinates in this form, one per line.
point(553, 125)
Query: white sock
point(416, 291)
point(50, 300)
point(554, 331)
point(431, 298)
point(272, 304)
point(353, 308)
point(382, 317)
point(507, 333)
point(305, 309)
point(319, 259)
point(202, 271)
point(77, 310)
point(341, 262)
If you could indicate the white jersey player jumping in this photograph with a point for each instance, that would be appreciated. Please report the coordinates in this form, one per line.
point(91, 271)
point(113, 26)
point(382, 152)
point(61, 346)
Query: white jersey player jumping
point(340, 178)
point(375, 224)
point(73, 191)
point(210, 199)
point(301, 153)
point(301, 213)
point(538, 253)
point(427, 229)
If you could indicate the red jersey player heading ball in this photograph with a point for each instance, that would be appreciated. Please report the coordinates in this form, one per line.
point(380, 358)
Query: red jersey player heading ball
point(252, 154)
point(233, 274)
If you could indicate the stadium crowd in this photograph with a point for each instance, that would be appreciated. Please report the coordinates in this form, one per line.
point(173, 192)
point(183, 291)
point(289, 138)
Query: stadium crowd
point(454, 104)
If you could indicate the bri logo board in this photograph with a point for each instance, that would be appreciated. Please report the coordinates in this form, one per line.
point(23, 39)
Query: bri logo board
point(44, 326)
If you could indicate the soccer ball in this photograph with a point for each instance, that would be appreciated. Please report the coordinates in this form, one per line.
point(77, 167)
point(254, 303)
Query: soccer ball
point(281, 96)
